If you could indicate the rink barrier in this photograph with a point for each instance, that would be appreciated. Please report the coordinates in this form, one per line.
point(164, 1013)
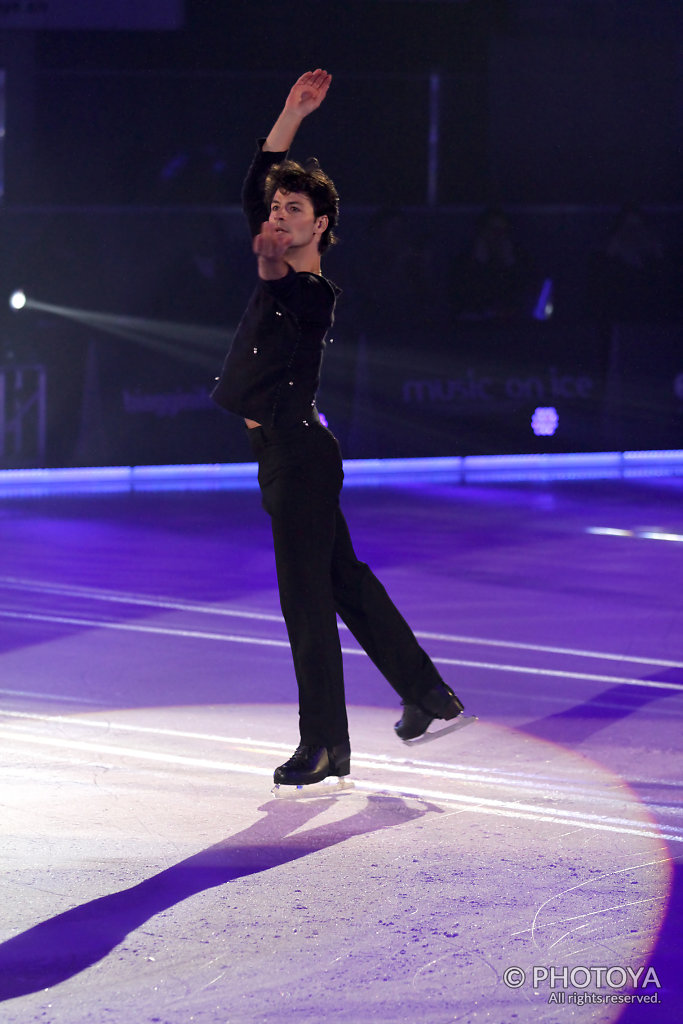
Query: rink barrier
point(466, 469)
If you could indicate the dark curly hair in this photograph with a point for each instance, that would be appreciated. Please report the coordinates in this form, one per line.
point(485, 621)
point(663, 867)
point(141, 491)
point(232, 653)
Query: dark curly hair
point(312, 181)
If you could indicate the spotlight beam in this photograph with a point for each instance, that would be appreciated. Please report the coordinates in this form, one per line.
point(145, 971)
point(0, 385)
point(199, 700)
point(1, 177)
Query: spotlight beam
point(188, 355)
point(209, 337)
point(183, 340)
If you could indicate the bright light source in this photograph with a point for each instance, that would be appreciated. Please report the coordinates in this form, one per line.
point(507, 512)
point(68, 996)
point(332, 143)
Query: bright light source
point(651, 534)
point(17, 300)
point(544, 307)
point(544, 421)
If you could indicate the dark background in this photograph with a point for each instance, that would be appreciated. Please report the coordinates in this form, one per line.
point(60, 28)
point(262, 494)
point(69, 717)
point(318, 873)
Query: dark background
point(124, 153)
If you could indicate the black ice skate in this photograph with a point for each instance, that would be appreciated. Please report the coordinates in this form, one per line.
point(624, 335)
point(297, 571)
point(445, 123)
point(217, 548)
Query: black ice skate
point(309, 765)
point(439, 702)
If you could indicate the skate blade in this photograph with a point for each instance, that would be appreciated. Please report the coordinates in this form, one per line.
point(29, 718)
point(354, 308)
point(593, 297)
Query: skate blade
point(332, 786)
point(436, 734)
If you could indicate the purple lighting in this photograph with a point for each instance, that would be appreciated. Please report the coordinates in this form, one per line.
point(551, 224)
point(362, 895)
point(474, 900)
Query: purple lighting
point(357, 472)
point(544, 307)
point(544, 421)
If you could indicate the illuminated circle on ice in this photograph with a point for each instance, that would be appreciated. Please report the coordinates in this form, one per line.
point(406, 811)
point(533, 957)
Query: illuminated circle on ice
point(544, 421)
point(585, 864)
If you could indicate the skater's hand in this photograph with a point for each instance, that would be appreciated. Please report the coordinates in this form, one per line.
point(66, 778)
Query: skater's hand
point(304, 97)
point(308, 92)
point(270, 246)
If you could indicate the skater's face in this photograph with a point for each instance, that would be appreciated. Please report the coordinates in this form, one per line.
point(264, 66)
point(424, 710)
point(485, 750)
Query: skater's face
point(293, 214)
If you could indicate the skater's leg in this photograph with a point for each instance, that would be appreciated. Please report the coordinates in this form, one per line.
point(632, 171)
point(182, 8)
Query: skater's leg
point(300, 483)
point(303, 541)
point(365, 607)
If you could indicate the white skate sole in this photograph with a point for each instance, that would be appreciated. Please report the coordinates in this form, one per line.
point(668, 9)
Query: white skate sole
point(331, 786)
point(443, 730)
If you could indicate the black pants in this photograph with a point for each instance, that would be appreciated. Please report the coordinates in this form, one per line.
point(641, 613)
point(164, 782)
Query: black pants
point(319, 576)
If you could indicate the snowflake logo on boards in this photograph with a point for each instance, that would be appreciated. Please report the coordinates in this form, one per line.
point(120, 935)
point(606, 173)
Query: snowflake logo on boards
point(544, 421)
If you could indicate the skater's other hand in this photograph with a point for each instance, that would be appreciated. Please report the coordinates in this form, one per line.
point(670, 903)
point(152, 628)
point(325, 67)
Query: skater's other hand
point(270, 246)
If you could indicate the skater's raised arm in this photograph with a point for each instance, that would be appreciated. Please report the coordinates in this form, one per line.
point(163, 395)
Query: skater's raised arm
point(304, 97)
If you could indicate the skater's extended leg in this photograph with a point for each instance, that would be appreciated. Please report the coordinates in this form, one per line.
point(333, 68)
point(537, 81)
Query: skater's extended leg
point(365, 607)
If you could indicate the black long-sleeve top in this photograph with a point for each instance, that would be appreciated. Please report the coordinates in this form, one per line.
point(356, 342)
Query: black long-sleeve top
point(272, 372)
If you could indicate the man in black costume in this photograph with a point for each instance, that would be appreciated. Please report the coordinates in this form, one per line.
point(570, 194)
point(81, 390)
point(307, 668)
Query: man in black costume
point(270, 377)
